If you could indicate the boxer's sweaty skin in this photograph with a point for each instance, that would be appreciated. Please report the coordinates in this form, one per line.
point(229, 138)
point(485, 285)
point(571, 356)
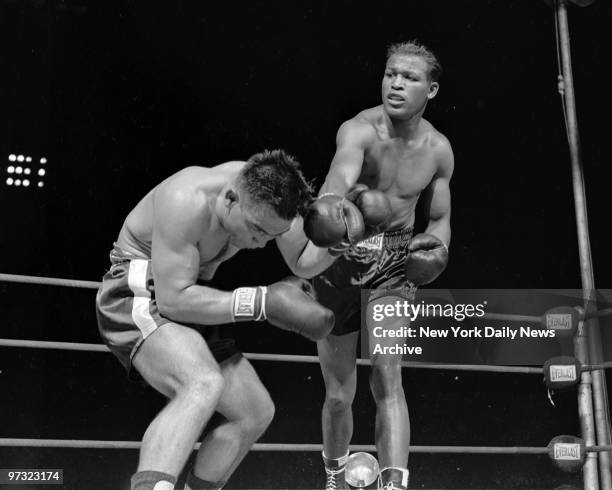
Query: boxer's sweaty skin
point(188, 225)
point(169, 246)
point(390, 148)
point(400, 168)
point(214, 246)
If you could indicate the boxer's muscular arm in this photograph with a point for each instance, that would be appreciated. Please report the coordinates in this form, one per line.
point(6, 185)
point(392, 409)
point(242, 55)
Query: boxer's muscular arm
point(303, 258)
point(180, 220)
point(345, 167)
point(437, 197)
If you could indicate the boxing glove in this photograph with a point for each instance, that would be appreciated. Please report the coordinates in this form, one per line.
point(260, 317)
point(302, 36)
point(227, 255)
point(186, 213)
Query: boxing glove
point(427, 258)
point(332, 219)
point(289, 304)
point(374, 206)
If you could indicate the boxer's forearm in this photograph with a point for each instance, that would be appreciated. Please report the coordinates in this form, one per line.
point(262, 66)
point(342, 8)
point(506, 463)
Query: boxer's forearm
point(302, 257)
point(440, 228)
point(200, 305)
point(336, 183)
point(312, 261)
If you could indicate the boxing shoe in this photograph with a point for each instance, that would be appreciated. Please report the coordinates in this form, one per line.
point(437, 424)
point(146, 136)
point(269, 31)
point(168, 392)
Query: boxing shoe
point(334, 473)
point(394, 478)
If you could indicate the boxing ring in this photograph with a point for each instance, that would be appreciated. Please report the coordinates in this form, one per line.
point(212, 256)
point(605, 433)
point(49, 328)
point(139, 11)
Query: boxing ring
point(589, 454)
point(582, 454)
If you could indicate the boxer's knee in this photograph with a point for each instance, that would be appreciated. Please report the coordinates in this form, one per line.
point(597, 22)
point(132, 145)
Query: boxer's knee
point(339, 398)
point(202, 387)
point(386, 381)
point(265, 415)
point(258, 420)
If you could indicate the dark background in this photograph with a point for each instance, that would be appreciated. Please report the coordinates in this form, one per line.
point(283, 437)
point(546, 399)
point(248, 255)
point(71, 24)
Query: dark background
point(120, 94)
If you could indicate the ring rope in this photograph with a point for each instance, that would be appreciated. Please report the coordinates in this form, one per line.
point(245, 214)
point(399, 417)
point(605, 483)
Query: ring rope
point(53, 281)
point(511, 317)
point(49, 281)
point(98, 444)
point(93, 444)
point(40, 344)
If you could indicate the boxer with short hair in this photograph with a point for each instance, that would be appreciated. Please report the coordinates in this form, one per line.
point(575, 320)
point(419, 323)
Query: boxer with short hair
point(387, 158)
point(159, 314)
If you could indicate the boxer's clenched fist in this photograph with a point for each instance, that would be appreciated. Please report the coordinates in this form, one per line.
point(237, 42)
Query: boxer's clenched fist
point(289, 304)
point(427, 258)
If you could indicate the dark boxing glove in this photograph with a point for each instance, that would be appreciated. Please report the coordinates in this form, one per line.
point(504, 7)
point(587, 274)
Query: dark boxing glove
point(375, 208)
point(332, 219)
point(427, 258)
point(289, 304)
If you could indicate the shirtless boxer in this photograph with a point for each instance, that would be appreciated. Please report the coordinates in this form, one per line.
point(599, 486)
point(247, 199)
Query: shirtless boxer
point(387, 157)
point(160, 316)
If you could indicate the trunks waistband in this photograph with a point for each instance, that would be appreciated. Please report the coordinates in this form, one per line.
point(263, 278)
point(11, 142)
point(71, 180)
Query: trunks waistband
point(117, 255)
point(388, 240)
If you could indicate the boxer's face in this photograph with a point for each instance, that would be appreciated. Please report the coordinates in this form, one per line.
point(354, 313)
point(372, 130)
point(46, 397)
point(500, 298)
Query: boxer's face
point(252, 225)
point(406, 87)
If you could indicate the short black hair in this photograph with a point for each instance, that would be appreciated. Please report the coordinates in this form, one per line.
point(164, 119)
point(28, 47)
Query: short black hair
point(273, 177)
point(414, 48)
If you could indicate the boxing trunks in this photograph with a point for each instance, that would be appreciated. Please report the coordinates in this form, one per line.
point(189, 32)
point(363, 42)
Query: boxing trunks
point(375, 264)
point(127, 311)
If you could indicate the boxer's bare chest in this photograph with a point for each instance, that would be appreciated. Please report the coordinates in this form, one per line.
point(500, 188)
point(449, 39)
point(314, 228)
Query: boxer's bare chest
point(399, 169)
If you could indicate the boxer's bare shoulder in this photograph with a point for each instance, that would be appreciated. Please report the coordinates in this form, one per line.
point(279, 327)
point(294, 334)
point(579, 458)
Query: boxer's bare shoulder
point(440, 148)
point(182, 203)
point(194, 181)
point(435, 139)
point(360, 129)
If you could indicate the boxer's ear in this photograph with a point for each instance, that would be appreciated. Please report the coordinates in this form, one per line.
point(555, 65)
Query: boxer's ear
point(231, 198)
point(433, 90)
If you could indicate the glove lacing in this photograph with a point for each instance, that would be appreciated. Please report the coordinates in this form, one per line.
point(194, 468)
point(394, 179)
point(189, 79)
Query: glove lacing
point(264, 293)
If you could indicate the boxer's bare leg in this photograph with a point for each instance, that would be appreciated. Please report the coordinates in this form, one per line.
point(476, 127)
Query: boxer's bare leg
point(176, 361)
point(248, 410)
point(337, 355)
point(392, 433)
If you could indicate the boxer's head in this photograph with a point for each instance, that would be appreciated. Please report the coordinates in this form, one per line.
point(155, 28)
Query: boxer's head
point(269, 193)
point(410, 79)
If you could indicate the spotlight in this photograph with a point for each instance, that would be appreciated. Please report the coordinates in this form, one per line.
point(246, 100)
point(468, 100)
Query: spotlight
point(41, 184)
point(26, 183)
point(17, 182)
point(41, 172)
point(28, 159)
point(43, 160)
point(12, 158)
point(18, 170)
point(10, 169)
point(26, 171)
point(20, 158)
point(9, 181)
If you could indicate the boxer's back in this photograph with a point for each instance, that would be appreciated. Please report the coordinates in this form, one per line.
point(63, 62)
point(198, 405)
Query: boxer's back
point(136, 233)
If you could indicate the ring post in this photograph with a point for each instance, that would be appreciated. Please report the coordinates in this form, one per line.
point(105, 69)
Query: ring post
point(592, 350)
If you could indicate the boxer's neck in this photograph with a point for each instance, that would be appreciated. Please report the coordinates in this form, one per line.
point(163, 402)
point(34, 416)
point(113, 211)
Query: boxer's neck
point(407, 129)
